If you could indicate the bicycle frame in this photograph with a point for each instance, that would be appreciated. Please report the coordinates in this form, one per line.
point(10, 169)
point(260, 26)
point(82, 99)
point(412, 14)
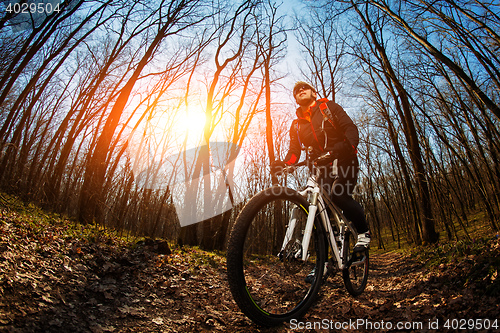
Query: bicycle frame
point(318, 200)
point(271, 287)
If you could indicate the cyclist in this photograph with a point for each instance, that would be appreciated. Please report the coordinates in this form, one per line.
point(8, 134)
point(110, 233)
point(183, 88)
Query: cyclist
point(333, 132)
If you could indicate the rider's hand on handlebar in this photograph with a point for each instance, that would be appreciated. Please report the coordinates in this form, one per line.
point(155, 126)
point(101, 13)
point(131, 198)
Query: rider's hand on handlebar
point(326, 158)
point(343, 149)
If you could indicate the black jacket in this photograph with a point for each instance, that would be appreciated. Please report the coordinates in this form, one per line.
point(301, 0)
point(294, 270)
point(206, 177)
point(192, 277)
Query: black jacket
point(340, 135)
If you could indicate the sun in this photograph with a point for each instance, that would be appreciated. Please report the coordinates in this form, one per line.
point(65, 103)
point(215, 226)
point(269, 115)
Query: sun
point(192, 121)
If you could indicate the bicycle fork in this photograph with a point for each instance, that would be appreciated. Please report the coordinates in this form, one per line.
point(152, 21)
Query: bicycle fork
point(341, 254)
point(313, 207)
point(306, 237)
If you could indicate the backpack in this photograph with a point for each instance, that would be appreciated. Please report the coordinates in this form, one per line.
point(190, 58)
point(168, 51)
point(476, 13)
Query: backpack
point(327, 113)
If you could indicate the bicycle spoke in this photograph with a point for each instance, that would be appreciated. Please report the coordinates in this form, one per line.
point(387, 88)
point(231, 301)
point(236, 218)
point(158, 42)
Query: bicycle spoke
point(268, 278)
point(273, 279)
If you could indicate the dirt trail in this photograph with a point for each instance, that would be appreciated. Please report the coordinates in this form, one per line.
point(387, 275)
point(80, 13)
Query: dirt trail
point(403, 295)
point(50, 283)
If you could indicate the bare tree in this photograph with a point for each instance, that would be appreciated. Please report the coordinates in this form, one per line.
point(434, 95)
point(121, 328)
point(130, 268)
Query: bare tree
point(233, 28)
point(36, 41)
point(475, 90)
point(170, 23)
point(325, 50)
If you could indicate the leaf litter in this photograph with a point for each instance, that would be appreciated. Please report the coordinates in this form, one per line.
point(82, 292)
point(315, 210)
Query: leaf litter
point(53, 279)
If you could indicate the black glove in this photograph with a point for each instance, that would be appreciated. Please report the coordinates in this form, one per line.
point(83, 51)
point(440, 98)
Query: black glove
point(277, 167)
point(342, 149)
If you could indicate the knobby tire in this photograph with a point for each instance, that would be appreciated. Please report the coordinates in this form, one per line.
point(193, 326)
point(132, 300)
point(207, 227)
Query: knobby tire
point(268, 289)
point(355, 275)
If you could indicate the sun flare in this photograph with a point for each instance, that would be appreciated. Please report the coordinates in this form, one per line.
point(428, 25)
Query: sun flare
point(192, 121)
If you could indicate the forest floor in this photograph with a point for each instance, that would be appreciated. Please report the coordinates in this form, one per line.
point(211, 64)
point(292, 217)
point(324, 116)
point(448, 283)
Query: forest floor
point(58, 276)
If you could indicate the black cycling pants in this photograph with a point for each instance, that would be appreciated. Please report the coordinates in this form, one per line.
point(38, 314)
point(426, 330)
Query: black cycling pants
point(341, 187)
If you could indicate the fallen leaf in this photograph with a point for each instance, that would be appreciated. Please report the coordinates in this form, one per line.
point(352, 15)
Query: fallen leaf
point(158, 321)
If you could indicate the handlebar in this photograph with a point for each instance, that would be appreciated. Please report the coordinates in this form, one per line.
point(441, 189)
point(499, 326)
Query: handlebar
point(321, 160)
point(325, 158)
point(291, 168)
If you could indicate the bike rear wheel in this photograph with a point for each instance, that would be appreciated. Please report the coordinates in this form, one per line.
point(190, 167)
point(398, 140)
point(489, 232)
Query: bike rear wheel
point(355, 275)
point(269, 284)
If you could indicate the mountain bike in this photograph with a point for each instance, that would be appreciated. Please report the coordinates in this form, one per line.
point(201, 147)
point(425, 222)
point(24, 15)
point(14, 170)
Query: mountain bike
point(278, 251)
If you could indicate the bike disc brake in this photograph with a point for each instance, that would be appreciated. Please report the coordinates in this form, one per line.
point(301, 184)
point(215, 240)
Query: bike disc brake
point(292, 257)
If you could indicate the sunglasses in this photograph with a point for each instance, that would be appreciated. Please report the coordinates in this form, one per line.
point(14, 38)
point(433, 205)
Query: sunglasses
point(299, 88)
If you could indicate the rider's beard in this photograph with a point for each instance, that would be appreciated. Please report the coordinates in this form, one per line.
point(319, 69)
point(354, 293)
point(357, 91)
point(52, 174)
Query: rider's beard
point(305, 99)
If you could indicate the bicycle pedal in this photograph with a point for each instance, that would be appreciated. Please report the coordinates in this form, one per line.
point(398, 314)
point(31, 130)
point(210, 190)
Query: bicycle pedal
point(358, 256)
point(359, 249)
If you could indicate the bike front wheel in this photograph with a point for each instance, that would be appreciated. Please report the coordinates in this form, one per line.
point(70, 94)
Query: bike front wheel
point(267, 276)
point(355, 274)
